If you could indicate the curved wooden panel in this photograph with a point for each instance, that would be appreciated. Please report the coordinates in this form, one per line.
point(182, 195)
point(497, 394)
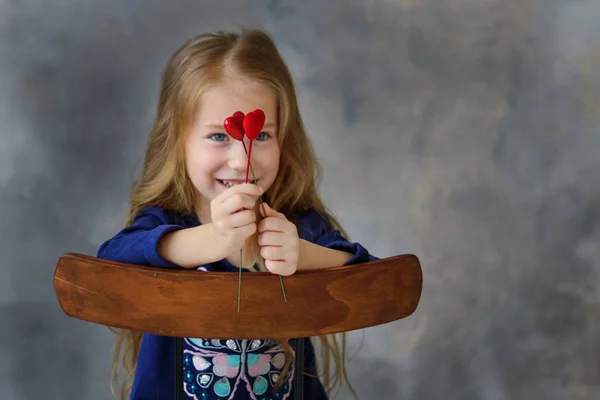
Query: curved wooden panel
point(190, 303)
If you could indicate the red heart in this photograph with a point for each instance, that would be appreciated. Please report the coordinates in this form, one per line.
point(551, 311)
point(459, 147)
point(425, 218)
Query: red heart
point(234, 125)
point(253, 123)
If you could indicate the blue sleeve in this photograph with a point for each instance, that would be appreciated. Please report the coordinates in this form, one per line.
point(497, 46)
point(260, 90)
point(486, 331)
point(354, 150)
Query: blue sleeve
point(317, 229)
point(137, 244)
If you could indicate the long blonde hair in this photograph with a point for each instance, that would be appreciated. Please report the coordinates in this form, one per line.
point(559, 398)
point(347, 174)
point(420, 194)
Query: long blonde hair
point(205, 60)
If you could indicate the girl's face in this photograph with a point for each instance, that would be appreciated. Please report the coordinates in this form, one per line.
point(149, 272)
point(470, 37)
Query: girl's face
point(214, 159)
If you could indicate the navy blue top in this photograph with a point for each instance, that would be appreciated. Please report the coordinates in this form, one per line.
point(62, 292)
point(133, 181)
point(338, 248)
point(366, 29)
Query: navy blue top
point(216, 369)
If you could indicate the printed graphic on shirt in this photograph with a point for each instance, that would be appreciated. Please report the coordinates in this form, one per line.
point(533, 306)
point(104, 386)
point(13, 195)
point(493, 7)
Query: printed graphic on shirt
point(218, 369)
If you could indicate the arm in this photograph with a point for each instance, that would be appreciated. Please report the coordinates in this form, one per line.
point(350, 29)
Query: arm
point(321, 246)
point(191, 247)
point(313, 256)
point(155, 240)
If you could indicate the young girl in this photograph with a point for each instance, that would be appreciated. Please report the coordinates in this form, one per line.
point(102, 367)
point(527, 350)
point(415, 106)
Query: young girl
point(192, 209)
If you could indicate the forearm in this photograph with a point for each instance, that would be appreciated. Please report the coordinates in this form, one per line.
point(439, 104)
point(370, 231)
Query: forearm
point(313, 256)
point(191, 247)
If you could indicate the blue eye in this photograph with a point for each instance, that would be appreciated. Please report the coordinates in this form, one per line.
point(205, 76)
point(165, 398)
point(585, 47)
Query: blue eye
point(262, 136)
point(219, 137)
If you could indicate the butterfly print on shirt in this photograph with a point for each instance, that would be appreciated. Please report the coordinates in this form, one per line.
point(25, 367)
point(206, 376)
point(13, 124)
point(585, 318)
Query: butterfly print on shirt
point(218, 369)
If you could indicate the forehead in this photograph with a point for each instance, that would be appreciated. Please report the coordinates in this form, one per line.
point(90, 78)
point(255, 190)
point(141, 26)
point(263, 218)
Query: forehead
point(221, 101)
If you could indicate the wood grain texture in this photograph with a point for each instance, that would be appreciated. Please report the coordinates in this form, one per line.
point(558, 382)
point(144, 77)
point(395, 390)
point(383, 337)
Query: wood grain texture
point(193, 303)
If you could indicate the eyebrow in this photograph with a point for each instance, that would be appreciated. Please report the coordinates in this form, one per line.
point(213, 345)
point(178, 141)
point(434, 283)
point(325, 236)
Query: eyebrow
point(220, 126)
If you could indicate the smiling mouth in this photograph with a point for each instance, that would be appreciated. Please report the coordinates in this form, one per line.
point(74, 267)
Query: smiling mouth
point(231, 183)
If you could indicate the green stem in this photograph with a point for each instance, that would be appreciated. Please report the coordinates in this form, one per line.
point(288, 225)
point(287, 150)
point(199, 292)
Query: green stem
point(265, 213)
point(239, 281)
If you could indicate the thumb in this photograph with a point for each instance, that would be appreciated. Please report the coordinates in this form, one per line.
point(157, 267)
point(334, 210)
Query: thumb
point(265, 208)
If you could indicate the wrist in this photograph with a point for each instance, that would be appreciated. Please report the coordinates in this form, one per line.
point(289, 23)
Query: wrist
point(217, 244)
point(312, 256)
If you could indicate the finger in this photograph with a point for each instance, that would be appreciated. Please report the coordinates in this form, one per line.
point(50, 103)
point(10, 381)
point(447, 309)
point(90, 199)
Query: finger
point(274, 225)
point(243, 188)
point(240, 219)
point(249, 229)
point(270, 239)
point(235, 203)
point(278, 267)
point(273, 253)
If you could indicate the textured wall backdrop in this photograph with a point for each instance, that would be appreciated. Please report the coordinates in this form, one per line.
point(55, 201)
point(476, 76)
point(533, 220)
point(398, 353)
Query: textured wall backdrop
point(465, 132)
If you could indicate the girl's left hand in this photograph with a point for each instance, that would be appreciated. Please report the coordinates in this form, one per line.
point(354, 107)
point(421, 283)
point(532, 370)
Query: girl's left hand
point(279, 242)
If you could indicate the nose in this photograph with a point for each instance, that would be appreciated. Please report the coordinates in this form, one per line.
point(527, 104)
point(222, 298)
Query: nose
point(237, 157)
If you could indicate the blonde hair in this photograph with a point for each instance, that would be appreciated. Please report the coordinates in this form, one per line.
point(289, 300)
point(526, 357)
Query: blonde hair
point(202, 61)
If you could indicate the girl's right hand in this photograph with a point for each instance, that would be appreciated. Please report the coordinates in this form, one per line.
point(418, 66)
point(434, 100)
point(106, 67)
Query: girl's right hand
point(233, 216)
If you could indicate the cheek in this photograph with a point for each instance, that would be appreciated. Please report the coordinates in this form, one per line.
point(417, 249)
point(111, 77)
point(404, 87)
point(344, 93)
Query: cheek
point(276, 164)
point(275, 160)
point(269, 158)
point(201, 165)
point(199, 161)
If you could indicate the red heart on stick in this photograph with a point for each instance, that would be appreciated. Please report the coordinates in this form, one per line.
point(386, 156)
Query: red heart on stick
point(253, 123)
point(234, 125)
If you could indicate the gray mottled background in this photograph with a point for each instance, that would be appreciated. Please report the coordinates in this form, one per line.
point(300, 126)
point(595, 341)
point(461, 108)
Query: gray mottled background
point(465, 132)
